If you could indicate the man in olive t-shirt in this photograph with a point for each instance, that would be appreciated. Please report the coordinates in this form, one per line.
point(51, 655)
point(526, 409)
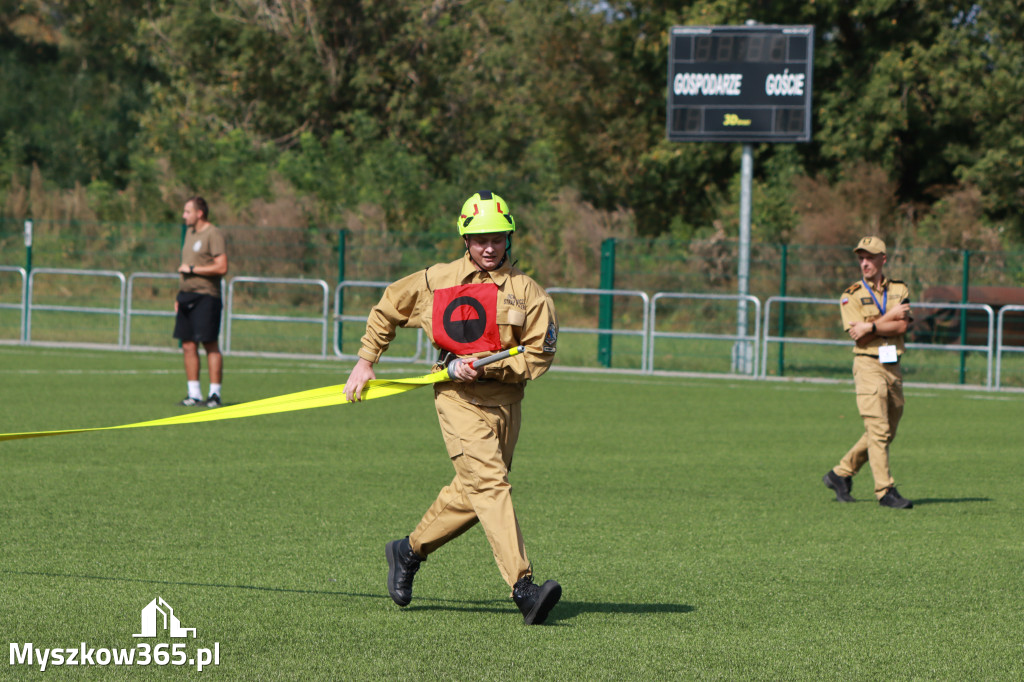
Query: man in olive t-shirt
point(198, 306)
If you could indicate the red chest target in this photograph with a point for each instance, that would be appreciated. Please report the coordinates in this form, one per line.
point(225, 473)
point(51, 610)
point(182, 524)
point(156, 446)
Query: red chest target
point(465, 318)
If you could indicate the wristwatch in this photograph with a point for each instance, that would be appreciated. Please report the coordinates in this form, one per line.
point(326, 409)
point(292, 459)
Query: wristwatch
point(192, 269)
point(874, 328)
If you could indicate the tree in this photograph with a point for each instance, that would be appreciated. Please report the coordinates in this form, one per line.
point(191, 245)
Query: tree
point(70, 96)
point(410, 104)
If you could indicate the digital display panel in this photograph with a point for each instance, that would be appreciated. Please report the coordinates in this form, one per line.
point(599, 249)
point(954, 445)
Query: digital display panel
point(740, 83)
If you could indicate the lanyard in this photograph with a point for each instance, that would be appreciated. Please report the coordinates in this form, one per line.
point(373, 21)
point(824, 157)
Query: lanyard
point(885, 297)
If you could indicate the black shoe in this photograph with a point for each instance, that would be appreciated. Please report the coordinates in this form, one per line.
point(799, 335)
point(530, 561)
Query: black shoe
point(892, 498)
point(402, 566)
point(191, 402)
point(535, 602)
point(213, 400)
point(841, 484)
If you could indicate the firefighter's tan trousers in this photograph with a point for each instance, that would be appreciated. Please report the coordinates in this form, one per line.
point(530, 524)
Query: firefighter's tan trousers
point(480, 442)
point(880, 403)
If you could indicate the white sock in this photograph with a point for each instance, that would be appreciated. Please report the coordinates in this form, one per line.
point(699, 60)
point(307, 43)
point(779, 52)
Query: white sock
point(214, 389)
point(194, 391)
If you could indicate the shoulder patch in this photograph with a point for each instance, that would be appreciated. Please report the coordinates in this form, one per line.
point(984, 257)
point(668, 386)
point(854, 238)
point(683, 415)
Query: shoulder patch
point(550, 339)
point(853, 288)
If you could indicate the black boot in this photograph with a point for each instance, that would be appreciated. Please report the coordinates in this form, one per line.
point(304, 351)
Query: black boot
point(842, 485)
point(402, 566)
point(892, 498)
point(535, 602)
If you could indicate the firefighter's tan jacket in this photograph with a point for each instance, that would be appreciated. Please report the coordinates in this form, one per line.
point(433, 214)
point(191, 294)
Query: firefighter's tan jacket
point(525, 316)
point(857, 304)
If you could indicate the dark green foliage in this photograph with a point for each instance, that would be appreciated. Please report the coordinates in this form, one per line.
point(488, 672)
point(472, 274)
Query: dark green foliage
point(408, 106)
point(69, 105)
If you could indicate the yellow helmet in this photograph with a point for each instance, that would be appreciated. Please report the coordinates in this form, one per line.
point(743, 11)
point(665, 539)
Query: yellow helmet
point(483, 213)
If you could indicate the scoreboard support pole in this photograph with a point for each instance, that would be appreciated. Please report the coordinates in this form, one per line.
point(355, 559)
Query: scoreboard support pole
point(742, 350)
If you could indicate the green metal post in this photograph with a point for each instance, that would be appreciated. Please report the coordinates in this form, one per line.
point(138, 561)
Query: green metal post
point(782, 310)
point(964, 295)
point(604, 316)
point(28, 273)
point(341, 278)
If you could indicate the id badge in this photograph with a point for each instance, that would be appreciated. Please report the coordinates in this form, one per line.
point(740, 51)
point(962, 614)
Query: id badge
point(887, 354)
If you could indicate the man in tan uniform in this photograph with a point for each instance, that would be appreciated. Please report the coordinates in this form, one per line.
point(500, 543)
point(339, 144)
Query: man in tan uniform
point(876, 312)
point(471, 308)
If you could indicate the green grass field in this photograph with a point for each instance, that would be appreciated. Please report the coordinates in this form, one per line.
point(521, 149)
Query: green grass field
point(685, 519)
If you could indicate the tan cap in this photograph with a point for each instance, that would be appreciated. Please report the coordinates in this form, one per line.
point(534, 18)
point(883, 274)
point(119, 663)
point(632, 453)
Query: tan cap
point(871, 245)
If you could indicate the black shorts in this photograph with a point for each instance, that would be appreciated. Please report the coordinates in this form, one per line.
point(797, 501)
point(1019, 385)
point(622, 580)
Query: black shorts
point(198, 317)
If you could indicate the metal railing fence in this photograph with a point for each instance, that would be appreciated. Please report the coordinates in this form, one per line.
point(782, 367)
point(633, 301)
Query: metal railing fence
point(131, 311)
point(987, 348)
point(743, 341)
point(420, 355)
point(322, 319)
point(1002, 347)
point(31, 307)
point(643, 333)
point(991, 340)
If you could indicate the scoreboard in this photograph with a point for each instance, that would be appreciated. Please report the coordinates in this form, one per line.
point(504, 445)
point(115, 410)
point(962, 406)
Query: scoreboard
point(740, 83)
